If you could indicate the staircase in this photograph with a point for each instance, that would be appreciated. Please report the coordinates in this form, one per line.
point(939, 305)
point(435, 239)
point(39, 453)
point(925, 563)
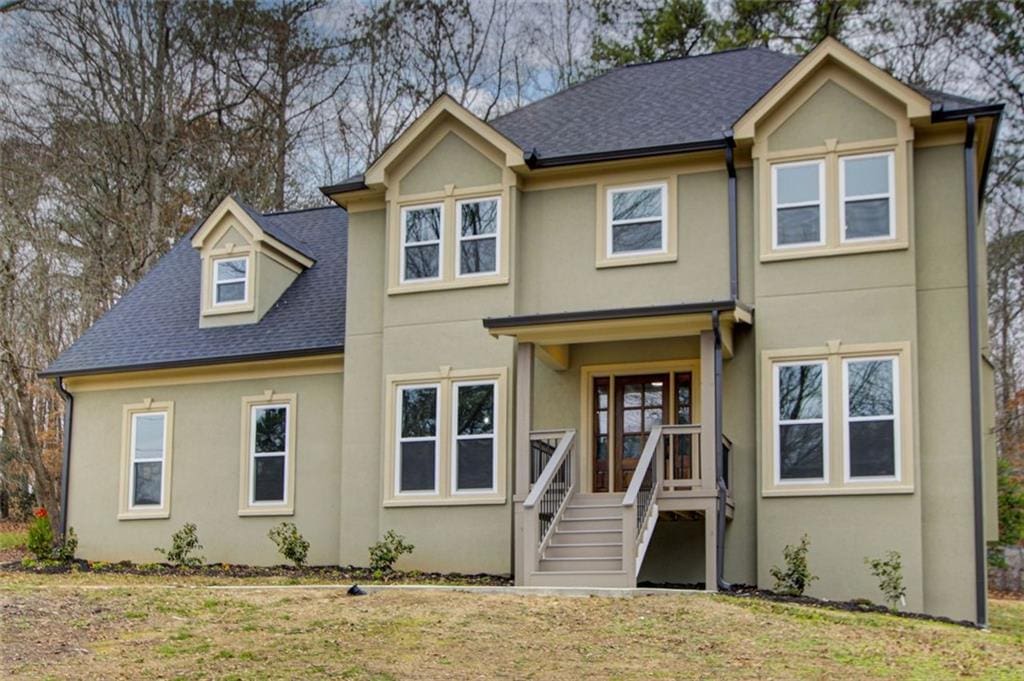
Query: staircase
point(585, 546)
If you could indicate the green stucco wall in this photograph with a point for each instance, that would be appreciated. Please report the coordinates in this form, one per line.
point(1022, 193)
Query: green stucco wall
point(206, 459)
point(451, 161)
point(831, 112)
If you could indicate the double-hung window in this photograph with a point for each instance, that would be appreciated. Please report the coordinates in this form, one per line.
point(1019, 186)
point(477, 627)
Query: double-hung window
point(230, 281)
point(422, 230)
point(801, 432)
point(148, 454)
point(798, 215)
point(637, 220)
point(871, 429)
point(477, 227)
point(268, 468)
point(475, 446)
point(418, 457)
point(866, 186)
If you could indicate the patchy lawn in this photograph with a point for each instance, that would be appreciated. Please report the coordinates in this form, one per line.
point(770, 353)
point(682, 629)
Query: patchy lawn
point(111, 626)
point(13, 541)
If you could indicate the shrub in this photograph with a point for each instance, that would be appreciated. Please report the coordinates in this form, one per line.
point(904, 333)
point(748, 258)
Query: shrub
point(184, 544)
point(1011, 505)
point(65, 551)
point(40, 535)
point(889, 573)
point(794, 579)
point(290, 544)
point(384, 553)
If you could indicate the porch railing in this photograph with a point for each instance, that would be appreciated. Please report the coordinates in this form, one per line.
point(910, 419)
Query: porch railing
point(639, 505)
point(551, 489)
point(682, 458)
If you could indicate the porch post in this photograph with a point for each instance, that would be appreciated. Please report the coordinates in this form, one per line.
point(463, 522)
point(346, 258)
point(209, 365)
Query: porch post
point(707, 410)
point(710, 546)
point(524, 424)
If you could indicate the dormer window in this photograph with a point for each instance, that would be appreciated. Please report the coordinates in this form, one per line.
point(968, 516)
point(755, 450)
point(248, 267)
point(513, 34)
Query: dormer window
point(231, 281)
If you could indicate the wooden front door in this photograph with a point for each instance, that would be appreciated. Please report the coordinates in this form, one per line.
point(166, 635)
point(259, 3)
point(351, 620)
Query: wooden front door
point(641, 403)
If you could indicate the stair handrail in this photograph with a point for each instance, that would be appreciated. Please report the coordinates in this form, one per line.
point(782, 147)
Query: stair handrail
point(548, 474)
point(642, 465)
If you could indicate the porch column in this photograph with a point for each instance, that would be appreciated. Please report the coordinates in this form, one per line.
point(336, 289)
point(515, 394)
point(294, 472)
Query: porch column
point(708, 446)
point(524, 424)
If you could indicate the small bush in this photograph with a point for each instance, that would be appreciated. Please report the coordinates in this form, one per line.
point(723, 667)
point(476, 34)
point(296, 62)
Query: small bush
point(387, 551)
point(290, 544)
point(65, 551)
point(40, 535)
point(889, 573)
point(794, 579)
point(184, 545)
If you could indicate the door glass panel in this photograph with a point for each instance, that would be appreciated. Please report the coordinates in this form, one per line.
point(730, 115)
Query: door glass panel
point(600, 461)
point(652, 418)
point(653, 394)
point(632, 395)
point(632, 420)
point(632, 445)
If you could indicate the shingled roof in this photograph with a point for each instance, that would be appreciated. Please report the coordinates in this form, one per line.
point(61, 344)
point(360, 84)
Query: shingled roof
point(156, 324)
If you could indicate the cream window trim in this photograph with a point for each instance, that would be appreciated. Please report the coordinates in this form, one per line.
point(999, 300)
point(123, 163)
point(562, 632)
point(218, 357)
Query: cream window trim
point(446, 380)
point(605, 257)
point(890, 195)
point(400, 440)
point(438, 243)
point(457, 437)
point(126, 509)
point(218, 282)
point(820, 203)
point(894, 418)
point(835, 356)
point(460, 238)
point(209, 284)
point(778, 423)
point(250, 404)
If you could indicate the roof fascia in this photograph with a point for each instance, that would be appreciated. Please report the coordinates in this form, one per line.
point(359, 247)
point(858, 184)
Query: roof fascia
point(918, 106)
point(256, 233)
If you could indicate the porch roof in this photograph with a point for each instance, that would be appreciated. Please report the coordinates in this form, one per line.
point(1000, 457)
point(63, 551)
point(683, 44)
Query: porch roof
point(618, 324)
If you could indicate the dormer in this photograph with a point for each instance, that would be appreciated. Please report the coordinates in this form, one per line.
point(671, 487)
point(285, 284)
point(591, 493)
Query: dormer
point(247, 263)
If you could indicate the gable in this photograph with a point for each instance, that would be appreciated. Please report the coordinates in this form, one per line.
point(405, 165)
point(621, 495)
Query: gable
point(229, 235)
point(451, 161)
point(831, 112)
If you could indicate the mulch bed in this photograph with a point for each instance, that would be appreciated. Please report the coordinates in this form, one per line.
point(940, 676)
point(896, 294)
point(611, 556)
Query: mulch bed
point(327, 573)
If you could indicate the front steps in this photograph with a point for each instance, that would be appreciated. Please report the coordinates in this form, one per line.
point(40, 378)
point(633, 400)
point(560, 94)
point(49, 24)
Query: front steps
point(585, 548)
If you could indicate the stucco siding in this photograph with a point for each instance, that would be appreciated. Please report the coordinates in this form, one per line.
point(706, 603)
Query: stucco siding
point(831, 112)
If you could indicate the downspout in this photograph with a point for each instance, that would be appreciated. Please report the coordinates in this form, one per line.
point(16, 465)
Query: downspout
point(974, 342)
point(719, 460)
point(734, 257)
point(65, 474)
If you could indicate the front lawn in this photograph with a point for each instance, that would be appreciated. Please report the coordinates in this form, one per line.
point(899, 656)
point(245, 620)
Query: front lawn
point(113, 626)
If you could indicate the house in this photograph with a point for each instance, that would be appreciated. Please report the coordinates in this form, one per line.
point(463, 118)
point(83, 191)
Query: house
point(653, 328)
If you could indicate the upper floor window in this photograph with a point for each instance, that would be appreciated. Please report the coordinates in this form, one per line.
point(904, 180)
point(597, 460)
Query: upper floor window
point(477, 225)
point(422, 238)
point(230, 281)
point(798, 216)
point(866, 187)
point(637, 220)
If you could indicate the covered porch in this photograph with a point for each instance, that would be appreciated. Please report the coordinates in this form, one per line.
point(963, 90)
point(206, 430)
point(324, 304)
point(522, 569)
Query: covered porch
point(617, 425)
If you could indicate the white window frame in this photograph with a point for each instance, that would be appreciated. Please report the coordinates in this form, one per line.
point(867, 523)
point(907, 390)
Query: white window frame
point(459, 238)
point(611, 222)
point(890, 195)
point(820, 203)
point(399, 440)
point(777, 423)
point(439, 242)
point(456, 438)
point(894, 417)
point(132, 506)
point(253, 455)
point(217, 281)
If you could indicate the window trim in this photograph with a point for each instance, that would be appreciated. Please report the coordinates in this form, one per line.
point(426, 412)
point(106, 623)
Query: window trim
point(445, 378)
point(127, 510)
point(894, 417)
point(245, 281)
point(459, 238)
point(821, 203)
point(456, 438)
point(253, 454)
point(610, 221)
point(890, 157)
point(777, 424)
point(246, 505)
point(405, 243)
point(400, 440)
point(132, 451)
point(838, 483)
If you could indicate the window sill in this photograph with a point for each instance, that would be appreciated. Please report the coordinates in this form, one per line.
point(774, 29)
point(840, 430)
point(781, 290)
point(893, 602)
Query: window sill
point(630, 260)
point(211, 311)
point(466, 282)
point(145, 515)
point(268, 511)
point(397, 502)
point(827, 251)
point(825, 491)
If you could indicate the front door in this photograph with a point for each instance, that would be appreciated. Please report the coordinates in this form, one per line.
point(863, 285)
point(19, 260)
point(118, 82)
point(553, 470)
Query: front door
point(640, 403)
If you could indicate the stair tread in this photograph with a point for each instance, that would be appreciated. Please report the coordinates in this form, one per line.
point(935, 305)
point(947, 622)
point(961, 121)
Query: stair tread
point(584, 544)
point(581, 572)
point(558, 531)
point(582, 558)
point(597, 517)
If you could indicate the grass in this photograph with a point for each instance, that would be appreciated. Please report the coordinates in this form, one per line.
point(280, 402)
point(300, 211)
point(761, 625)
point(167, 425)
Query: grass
point(13, 537)
point(109, 626)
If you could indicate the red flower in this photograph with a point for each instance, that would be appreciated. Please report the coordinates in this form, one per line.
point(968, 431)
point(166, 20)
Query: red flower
point(40, 512)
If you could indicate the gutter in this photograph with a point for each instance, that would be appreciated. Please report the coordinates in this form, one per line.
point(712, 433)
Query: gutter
point(719, 462)
point(65, 473)
point(533, 161)
point(734, 258)
point(974, 342)
point(613, 313)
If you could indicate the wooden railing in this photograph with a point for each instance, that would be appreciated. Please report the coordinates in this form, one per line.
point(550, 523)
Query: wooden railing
point(551, 490)
point(682, 458)
point(639, 505)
